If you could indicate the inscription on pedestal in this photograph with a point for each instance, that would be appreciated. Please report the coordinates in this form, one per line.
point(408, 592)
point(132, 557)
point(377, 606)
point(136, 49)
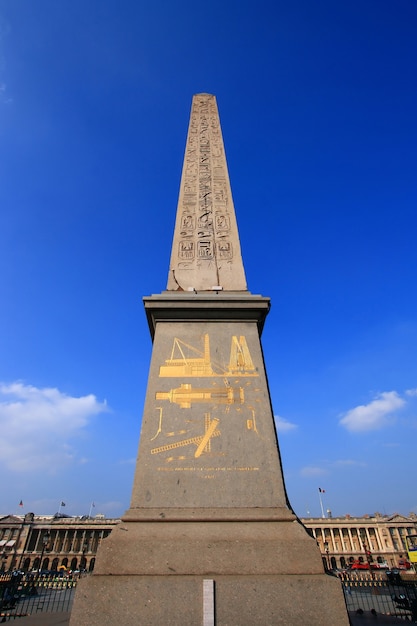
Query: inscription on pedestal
point(216, 397)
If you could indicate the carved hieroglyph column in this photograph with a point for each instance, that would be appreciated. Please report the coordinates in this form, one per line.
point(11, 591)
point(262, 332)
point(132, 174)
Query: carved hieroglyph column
point(206, 248)
point(209, 536)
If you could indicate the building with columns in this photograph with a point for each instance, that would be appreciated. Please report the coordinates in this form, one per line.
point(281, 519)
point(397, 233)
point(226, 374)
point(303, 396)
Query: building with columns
point(49, 542)
point(378, 538)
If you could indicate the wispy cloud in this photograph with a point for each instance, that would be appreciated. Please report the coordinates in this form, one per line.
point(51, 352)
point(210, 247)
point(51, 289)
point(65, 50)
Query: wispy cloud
point(411, 392)
point(349, 463)
point(329, 467)
point(283, 425)
point(312, 470)
point(38, 424)
point(375, 415)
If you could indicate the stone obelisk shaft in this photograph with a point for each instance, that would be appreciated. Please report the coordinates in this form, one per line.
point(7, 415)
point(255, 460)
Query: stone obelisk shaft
point(206, 249)
point(209, 536)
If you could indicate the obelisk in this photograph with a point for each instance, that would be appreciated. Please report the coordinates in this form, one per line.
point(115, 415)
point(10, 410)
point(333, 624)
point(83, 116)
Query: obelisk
point(210, 537)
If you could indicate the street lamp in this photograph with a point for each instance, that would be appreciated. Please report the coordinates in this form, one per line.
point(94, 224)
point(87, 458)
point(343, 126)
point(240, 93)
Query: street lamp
point(368, 554)
point(83, 564)
point(3, 561)
point(45, 541)
point(326, 548)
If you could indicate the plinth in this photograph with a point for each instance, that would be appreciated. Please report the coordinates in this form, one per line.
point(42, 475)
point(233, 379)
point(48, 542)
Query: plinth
point(210, 537)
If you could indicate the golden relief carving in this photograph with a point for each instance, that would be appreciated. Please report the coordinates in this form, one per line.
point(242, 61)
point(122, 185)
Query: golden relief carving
point(185, 395)
point(203, 442)
point(186, 360)
point(178, 430)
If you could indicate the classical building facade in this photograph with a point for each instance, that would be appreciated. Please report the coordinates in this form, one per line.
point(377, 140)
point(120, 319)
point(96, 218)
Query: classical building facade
point(376, 538)
point(53, 542)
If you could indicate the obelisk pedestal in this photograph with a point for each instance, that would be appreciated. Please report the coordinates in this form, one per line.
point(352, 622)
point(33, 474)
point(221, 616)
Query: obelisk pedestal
point(209, 537)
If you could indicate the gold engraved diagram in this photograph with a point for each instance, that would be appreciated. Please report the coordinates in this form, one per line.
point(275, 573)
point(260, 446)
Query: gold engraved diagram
point(186, 360)
point(189, 361)
point(185, 396)
point(202, 441)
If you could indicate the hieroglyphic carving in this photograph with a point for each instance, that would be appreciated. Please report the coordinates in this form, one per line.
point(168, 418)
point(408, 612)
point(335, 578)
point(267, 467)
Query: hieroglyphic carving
point(186, 250)
point(205, 249)
point(205, 213)
point(224, 250)
point(204, 198)
point(222, 222)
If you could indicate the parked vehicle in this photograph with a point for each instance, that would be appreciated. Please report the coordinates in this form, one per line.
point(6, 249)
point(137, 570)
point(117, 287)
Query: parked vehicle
point(364, 565)
point(358, 565)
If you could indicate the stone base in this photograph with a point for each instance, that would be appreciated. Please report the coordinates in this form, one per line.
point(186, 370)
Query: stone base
point(265, 573)
point(302, 600)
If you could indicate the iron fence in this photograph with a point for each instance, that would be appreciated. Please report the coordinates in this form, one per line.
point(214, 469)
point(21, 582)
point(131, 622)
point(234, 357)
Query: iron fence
point(381, 594)
point(27, 594)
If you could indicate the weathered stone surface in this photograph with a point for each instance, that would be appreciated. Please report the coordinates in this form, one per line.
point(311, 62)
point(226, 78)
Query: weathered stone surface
point(206, 421)
point(298, 600)
point(206, 247)
point(200, 548)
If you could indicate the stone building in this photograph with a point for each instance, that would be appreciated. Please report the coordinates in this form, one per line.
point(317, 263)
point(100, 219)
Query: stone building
point(378, 538)
point(52, 542)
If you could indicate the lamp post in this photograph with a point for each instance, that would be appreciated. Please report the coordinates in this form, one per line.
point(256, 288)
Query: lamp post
point(45, 540)
point(326, 548)
point(368, 554)
point(83, 564)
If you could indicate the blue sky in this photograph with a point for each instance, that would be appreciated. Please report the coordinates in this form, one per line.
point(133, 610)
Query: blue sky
point(318, 106)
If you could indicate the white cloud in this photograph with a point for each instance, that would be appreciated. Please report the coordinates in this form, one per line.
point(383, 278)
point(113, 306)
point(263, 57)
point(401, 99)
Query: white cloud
point(37, 424)
point(375, 415)
point(283, 425)
point(312, 471)
point(349, 463)
point(411, 392)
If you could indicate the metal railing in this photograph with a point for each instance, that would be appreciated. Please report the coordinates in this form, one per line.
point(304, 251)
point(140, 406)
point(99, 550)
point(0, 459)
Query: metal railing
point(28, 594)
point(380, 594)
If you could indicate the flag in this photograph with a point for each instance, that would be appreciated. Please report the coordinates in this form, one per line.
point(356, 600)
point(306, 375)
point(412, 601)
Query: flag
point(92, 504)
point(321, 490)
point(63, 504)
point(21, 503)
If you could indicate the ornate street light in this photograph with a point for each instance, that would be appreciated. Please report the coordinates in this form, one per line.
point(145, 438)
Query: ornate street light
point(326, 548)
point(45, 540)
point(3, 560)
